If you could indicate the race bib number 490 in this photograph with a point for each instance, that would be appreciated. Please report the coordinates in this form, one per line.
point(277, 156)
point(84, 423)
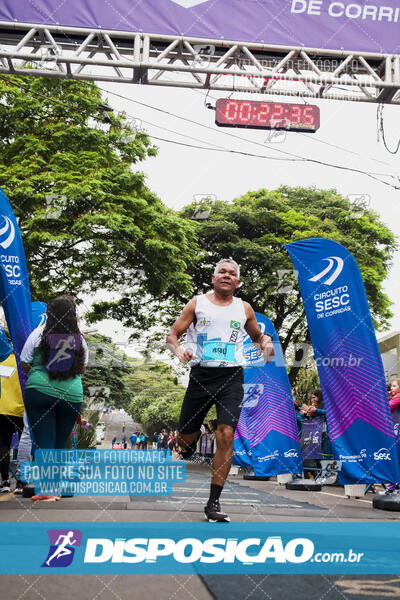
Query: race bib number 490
point(224, 351)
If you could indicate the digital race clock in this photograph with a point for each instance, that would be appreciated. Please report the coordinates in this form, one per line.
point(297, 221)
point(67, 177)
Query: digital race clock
point(254, 114)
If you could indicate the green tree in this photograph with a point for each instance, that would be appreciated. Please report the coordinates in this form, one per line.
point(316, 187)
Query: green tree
point(162, 412)
point(156, 396)
point(87, 219)
point(254, 229)
point(307, 381)
point(106, 374)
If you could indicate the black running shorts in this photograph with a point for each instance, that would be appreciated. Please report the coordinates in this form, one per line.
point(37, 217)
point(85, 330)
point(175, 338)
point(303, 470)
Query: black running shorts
point(222, 386)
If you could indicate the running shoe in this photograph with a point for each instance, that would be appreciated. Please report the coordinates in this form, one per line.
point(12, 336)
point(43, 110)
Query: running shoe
point(19, 488)
point(214, 513)
point(5, 487)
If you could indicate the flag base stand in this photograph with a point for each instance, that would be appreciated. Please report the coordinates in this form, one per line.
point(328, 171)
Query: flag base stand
point(283, 478)
point(354, 490)
point(387, 502)
point(28, 491)
point(304, 485)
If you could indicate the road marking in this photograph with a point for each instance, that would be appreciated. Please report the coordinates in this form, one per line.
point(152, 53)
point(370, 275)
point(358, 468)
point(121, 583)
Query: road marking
point(345, 497)
point(335, 495)
point(250, 502)
point(197, 499)
point(227, 490)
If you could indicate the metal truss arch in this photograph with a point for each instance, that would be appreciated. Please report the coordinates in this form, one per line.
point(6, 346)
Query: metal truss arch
point(212, 64)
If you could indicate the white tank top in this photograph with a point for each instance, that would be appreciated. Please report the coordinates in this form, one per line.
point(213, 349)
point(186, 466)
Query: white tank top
point(217, 336)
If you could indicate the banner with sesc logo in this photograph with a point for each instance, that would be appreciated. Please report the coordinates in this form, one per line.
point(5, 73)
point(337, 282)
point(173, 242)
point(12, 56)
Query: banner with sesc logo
point(15, 295)
point(349, 363)
point(266, 437)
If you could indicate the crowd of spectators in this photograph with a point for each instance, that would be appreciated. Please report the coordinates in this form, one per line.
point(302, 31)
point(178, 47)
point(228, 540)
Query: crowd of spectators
point(138, 440)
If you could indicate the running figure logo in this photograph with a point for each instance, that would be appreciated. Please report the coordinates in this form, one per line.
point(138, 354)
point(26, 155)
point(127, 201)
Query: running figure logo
point(61, 351)
point(62, 547)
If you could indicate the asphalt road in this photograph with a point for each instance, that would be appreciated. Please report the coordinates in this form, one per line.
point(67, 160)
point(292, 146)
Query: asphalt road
point(246, 501)
point(114, 427)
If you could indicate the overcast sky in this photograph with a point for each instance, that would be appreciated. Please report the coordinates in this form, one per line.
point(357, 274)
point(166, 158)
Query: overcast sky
point(178, 173)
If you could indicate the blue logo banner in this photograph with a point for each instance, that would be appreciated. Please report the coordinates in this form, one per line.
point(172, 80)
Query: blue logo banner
point(266, 437)
point(248, 548)
point(349, 363)
point(15, 295)
point(39, 316)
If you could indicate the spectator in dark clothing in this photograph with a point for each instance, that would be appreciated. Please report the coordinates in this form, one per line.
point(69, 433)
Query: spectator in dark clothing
point(314, 411)
point(171, 441)
point(299, 416)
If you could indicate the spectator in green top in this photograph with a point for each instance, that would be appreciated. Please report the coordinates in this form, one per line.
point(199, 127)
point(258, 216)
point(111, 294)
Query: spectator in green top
point(55, 357)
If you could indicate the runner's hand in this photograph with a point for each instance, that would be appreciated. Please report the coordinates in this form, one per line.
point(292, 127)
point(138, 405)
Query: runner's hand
point(184, 355)
point(267, 348)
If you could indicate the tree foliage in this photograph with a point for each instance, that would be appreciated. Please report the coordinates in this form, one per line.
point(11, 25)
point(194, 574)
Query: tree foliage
point(307, 381)
point(87, 218)
point(157, 396)
point(105, 379)
point(148, 390)
point(254, 229)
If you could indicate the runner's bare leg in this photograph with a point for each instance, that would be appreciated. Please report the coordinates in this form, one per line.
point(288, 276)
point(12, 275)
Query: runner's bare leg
point(223, 456)
point(185, 439)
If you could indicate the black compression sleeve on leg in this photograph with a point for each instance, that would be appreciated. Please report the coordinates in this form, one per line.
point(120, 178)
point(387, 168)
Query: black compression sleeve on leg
point(215, 492)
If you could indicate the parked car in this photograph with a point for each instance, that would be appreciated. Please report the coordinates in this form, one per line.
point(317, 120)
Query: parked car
point(100, 432)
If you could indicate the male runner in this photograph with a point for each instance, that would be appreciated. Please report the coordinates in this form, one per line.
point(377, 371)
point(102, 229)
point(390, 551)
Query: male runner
point(215, 323)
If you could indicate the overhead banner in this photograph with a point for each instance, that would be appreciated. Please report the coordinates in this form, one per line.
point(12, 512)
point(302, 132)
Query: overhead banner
point(15, 295)
point(266, 437)
point(331, 24)
point(349, 363)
